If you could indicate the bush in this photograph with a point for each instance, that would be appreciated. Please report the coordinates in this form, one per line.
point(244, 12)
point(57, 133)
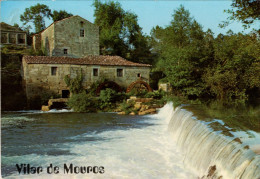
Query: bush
point(81, 103)
point(107, 97)
point(155, 94)
point(127, 107)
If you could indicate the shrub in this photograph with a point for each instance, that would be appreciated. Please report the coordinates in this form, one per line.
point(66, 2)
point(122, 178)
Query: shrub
point(81, 102)
point(75, 84)
point(155, 94)
point(107, 97)
point(127, 107)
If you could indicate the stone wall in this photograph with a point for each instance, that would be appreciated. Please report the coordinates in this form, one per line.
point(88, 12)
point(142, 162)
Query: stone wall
point(36, 41)
point(67, 36)
point(47, 40)
point(38, 77)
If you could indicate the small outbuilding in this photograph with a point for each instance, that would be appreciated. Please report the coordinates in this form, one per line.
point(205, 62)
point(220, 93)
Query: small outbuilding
point(12, 35)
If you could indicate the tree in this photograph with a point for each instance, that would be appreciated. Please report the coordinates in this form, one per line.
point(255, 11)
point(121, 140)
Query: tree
point(120, 33)
point(181, 52)
point(36, 15)
point(236, 67)
point(246, 11)
point(59, 15)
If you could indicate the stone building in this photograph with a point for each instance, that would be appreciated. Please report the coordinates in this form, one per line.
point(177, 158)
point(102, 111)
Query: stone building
point(72, 37)
point(47, 73)
point(12, 35)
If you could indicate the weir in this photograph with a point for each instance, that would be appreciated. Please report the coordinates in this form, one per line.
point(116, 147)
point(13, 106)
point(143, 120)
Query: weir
point(208, 152)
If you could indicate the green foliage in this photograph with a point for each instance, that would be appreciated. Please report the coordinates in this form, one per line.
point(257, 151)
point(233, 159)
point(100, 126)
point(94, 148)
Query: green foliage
point(235, 68)
point(155, 94)
point(120, 33)
point(127, 107)
point(36, 15)
point(107, 98)
point(75, 84)
point(93, 88)
point(59, 15)
point(182, 53)
point(198, 65)
point(245, 11)
point(81, 102)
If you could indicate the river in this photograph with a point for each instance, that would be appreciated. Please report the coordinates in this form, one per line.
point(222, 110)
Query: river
point(171, 144)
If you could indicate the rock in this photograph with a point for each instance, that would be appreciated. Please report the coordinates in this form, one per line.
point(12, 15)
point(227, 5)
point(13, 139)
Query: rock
point(143, 100)
point(45, 108)
point(138, 105)
point(148, 111)
point(133, 98)
point(129, 100)
point(132, 113)
point(117, 110)
point(211, 171)
point(58, 100)
point(121, 113)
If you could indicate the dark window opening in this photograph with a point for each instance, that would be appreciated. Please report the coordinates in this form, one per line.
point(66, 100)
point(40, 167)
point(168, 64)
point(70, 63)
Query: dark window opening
point(3, 38)
point(21, 38)
point(53, 71)
point(119, 72)
point(138, 75)
point(65, 94)
point(65, 51)
point(81, 23)
point(82, 32)
point(95, 71)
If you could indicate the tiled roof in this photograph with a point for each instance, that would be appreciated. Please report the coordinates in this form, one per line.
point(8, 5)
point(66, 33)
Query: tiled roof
point(88, 60)
point(7, 27)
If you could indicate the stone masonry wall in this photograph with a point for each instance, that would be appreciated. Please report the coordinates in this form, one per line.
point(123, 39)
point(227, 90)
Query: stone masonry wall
point(38, 77)
point(67, 36)
point(47, 40)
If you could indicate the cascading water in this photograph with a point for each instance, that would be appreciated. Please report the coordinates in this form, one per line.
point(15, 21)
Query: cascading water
point(209, 152)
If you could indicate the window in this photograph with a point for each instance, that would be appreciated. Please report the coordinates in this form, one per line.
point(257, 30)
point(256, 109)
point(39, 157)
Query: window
point(95, 71)
point(119, 72)
point(138, 75)
point(53, 71)
point(65, 51)
point(82, 32)
point(21, 38)
point(4, 38)
point(81, 23)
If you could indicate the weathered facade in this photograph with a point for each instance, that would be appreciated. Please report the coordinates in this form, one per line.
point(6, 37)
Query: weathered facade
point(72, 37)
point(12, 35)
point(47, 73)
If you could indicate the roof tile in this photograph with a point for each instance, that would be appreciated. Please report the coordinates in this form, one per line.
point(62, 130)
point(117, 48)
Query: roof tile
point(88, 60)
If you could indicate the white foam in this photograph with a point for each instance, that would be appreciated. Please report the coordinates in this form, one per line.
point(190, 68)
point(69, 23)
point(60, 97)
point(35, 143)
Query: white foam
point(144, 153)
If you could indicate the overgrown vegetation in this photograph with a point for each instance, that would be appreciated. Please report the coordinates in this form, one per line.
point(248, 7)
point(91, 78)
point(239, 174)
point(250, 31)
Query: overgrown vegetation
point(75, 84)
point(81, 102)
point(198, 65)
point(107, 98)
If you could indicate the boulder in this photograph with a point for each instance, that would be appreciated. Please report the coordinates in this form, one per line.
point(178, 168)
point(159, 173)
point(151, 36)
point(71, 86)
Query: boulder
point(138, 105)
point(148, 111)
point(45, 108)
point(121, 113)
point(143, 100)
point(133, 97)
point(132, 113)
point(129, 100)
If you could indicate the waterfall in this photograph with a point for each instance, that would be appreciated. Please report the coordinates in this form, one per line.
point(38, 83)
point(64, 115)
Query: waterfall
point(208, 152)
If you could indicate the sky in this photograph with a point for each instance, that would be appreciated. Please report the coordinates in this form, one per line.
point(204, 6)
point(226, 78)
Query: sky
point(208, 13)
